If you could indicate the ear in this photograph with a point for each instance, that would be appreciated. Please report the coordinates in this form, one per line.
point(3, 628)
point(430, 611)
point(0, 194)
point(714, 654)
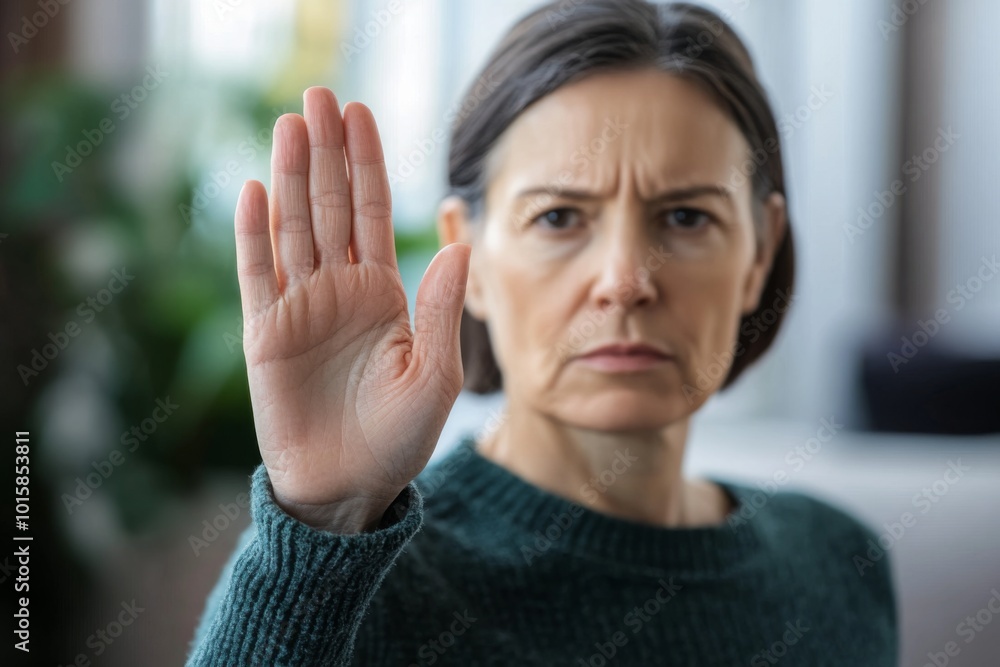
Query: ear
point(454, 226)
point(775, 219)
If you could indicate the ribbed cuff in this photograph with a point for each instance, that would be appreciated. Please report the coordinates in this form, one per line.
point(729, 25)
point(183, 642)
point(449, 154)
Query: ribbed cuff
point(297, 594)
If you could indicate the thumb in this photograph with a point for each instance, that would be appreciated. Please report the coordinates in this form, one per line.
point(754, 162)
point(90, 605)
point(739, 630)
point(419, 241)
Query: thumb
point(437, 316)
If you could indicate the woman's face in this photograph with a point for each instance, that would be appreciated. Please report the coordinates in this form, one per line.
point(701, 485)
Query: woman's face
point(616, 211)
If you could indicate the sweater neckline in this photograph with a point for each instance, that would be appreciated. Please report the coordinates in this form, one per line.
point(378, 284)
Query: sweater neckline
point(544, 521)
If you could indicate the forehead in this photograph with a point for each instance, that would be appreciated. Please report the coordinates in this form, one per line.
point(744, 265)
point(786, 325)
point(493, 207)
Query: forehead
point(654, 128)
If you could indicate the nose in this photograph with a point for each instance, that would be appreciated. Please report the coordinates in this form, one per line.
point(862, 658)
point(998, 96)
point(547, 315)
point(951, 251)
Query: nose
point(624, 280)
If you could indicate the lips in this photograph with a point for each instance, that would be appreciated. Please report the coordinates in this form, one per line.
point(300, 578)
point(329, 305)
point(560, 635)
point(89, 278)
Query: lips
point(625, 358)
point(626, 350)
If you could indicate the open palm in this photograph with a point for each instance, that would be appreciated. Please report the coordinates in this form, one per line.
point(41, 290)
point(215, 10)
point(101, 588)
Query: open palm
point(348, 400)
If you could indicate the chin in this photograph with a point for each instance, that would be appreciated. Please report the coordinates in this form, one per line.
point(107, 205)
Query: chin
point(627, 411)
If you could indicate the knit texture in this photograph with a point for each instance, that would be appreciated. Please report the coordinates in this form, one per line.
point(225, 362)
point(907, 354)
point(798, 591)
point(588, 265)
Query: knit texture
point(472, 565)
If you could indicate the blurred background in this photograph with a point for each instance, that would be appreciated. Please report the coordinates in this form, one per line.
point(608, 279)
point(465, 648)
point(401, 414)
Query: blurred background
point(129, 127)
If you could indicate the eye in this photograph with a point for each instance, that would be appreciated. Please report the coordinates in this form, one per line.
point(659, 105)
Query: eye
point(557, 218)
point(687, 218)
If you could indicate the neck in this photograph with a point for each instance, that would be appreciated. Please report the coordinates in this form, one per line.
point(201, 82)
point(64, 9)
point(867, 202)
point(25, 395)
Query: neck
point(635, 475)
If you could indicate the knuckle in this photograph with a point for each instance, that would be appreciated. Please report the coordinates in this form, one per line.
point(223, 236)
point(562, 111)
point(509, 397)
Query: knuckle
point(292, 222)
point(375, 210)
point(331, 199)
point(255, 269)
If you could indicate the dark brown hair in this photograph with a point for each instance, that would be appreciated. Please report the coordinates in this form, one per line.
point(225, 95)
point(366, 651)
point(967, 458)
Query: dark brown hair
point(561, 42)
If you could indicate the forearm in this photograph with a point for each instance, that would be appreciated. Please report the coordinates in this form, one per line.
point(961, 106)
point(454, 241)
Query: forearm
point(296, 595)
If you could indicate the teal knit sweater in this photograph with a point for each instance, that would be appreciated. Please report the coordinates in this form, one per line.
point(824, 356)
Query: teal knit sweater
point(472, 565)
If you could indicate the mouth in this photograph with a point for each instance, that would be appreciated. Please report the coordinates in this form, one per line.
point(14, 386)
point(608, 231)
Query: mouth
point(623, 359)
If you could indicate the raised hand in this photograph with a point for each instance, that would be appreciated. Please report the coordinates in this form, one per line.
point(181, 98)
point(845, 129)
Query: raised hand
point(348, 400)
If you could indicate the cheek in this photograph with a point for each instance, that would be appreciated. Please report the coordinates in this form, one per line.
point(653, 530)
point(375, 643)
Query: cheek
point(522, 305)
point(531, 306)
point(706, 310)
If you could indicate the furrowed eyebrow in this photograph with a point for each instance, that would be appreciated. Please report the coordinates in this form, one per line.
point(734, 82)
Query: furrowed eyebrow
point(678, 194)
point(694, 191)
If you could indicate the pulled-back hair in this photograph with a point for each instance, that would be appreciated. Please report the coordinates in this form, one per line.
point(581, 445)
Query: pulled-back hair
point(563, 42)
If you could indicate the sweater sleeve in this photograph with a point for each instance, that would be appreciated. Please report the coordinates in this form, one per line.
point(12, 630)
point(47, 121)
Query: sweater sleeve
point(295, 595)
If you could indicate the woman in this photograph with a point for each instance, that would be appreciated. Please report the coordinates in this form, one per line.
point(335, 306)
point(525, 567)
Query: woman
point(621, 186)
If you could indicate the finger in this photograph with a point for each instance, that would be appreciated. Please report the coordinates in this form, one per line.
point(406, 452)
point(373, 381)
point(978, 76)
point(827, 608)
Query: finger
point(372, 236)
point(254, 258)
point(437, 315)
point(329, 190)
point(291, 226)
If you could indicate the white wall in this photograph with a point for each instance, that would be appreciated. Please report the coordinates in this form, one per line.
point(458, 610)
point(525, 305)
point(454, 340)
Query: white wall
point(969, 208)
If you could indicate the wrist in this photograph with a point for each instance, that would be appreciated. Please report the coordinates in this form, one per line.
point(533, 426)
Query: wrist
point(345, 517)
